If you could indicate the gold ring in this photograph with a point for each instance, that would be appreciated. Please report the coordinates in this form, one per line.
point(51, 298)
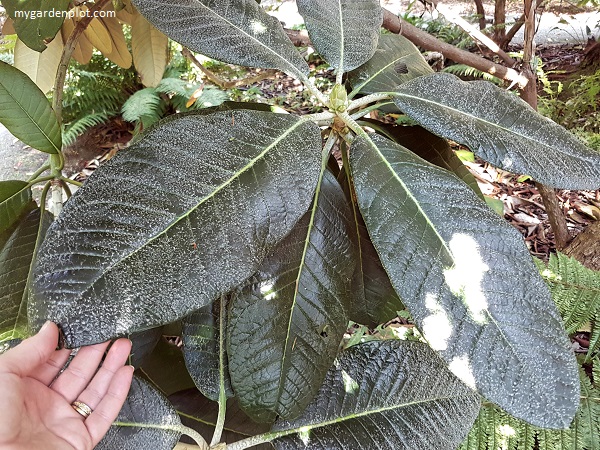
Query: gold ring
point(82, 408)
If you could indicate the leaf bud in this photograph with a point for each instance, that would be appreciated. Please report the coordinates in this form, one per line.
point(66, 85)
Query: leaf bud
point(338, 99)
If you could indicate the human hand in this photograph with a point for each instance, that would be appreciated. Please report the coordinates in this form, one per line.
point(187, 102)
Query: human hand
point(36, 405)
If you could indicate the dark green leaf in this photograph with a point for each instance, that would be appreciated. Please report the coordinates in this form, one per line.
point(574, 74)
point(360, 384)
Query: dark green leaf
point(143, 344)
point(26, 112)
point(500, 128)
point(183, 216)
point(200, 413)
point(201, 350)
point(32, 22)
point(469, 282)
point(428, 146)
point(375, 300)
point(15, 199)
point(16, 259)
point(176, 378)
point(344, 32)
point(285, 325)
point(233, 31)
point(385, 395)
point(144, 405)
point(395, 61)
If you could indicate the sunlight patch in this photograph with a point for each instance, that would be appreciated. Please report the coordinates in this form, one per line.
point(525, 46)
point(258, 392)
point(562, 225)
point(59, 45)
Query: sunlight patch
point(350, 384)
point(466, 277)
point(304, 435)
point(267, 290)
point(257, 27)
point(461, 367)
point(436, 327)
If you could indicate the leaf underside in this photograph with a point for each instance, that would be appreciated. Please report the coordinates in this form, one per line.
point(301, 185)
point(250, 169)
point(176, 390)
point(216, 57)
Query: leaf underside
point(234, 31)
point(344, 32)
point(286, 323)
point(184, 215)
point(15, 199)
point(16, 257)
point(396, 61)
point(144, 405)
point(201, 350)
point(500, 128)
point(468, 281)
point(386, 395)
point(26, 112)
point(34, 30)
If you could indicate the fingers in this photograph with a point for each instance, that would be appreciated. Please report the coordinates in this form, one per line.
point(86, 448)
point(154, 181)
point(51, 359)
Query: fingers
point(32, 352)
point(48, 371)
point(98, 387)
point(107, 410)
point(80, 371)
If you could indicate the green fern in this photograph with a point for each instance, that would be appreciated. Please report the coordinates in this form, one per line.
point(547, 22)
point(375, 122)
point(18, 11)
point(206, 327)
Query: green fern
point(576, 291)
point(494, 429)
point(462, 70)
point(79, 126)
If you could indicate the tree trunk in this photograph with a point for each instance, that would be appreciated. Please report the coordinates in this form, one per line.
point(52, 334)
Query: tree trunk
point(585, 248)
point(499, 21)
point(480, 13)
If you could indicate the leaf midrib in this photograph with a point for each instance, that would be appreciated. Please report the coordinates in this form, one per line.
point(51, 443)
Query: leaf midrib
point(443, 241)
point(18, 103)
point(235, 176)
point(476, 118)
point(287, 63)
point(367, 413)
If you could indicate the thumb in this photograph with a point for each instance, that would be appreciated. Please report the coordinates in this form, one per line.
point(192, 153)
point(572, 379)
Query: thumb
point(25, 357)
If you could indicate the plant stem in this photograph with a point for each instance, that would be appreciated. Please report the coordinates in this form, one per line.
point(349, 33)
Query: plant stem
point(178, 428)
point(44, 196)
point(313, 89)
point(368, 99)
point(73, 182)
point(38, 172)
point(222, 394)
point(70, 45)
point(364, 112)
point(351, 123)
point(258, 439)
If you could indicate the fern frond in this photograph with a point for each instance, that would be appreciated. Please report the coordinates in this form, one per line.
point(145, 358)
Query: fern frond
point(144, 103)
point(589, 413)
point(175, 86)
point(575, 290)
point(468, 71)
point(79, 126)
point(477, 437)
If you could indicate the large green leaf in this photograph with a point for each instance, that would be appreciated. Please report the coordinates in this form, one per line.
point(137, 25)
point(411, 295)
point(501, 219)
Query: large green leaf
point(16, 259)
point(395, 61)
point(32, 20)
point(500, 128)
point(428, 146)
point(200, 413)
point(15, 198)
point(375, 300)
point(143, 344)
point(285, 325)
point(143, 406)
point(233, 31)
point(469, 282)
point(344, 32)
point(386, 395)
point(185, 214)
point(26, 112)
point(202, 350)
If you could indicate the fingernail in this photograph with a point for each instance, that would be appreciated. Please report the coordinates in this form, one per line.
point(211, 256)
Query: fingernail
point(46, 325)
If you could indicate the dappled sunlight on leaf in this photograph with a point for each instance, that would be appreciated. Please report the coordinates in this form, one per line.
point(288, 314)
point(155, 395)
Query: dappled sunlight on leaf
point(465, 278)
